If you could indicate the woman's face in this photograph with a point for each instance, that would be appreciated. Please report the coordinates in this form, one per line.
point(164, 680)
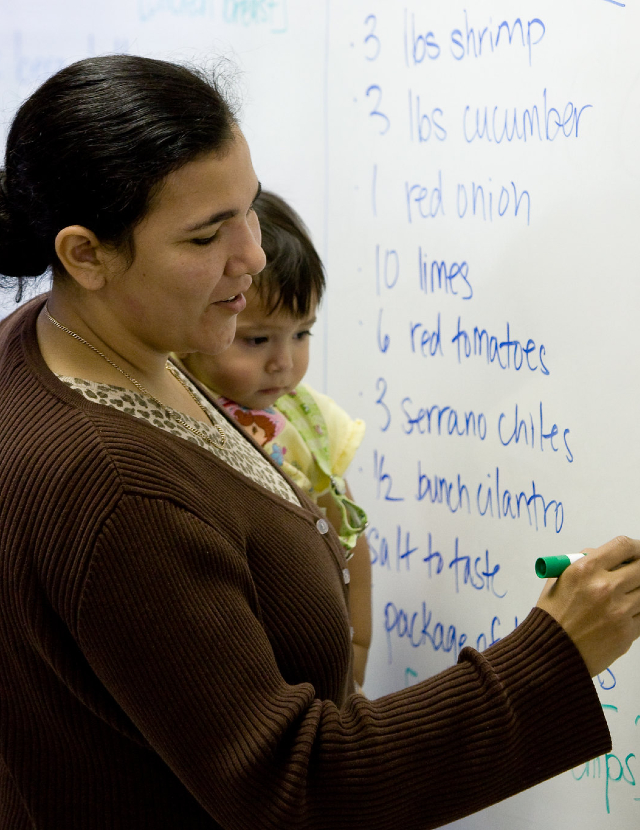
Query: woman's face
point(194, 254)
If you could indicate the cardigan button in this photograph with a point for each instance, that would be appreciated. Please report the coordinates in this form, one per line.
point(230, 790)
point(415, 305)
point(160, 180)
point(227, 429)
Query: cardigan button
point(323, 526)
point(346, 576)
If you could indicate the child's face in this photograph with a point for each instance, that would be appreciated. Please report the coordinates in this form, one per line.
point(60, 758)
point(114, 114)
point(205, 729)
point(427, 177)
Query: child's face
point(268, 357)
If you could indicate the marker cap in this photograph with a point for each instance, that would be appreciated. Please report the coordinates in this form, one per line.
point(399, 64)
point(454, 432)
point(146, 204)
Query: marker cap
point(549, 566)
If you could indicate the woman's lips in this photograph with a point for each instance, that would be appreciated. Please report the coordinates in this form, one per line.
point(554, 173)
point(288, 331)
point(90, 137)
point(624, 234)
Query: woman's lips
point(236, 304)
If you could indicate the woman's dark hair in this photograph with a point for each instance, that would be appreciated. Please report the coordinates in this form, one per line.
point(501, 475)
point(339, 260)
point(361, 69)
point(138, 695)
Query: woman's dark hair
point(293, 278)
point(91, 147)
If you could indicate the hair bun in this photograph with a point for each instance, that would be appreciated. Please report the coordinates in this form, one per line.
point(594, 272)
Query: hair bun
point(21, 253)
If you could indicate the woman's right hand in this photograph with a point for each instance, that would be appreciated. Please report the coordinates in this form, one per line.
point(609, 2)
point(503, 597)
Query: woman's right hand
point(597, 601)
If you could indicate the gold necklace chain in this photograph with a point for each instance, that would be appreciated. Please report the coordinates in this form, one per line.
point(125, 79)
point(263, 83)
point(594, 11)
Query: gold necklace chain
point(171, 369)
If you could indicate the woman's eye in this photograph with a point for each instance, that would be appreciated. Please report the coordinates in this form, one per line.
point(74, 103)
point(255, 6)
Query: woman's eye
point(203, 240)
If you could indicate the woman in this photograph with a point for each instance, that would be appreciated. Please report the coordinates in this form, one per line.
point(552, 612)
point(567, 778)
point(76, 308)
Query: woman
point(174, 637)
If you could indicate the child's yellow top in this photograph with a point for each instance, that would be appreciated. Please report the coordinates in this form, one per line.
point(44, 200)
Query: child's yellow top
point(291, 450)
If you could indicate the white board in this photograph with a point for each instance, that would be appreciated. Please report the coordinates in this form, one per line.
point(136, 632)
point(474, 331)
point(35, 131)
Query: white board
point(470, 175)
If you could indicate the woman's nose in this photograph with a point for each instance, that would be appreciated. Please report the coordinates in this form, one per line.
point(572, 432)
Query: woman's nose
point(248, 256)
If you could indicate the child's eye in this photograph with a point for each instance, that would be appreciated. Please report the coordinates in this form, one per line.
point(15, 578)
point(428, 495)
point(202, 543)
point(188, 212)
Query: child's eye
point(255, 341)
point(301, 335)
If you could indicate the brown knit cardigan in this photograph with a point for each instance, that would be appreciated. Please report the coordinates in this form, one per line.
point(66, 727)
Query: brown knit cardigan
point(174, 648)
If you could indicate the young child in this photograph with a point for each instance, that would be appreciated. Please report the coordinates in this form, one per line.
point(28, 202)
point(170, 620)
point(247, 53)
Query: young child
point(258, 379)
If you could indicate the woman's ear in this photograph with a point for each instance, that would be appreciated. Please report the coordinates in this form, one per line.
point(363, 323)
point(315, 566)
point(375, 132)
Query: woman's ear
point(82, 256)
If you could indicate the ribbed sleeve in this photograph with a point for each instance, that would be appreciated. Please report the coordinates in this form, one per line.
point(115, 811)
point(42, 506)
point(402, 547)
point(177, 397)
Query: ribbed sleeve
point(174, 649)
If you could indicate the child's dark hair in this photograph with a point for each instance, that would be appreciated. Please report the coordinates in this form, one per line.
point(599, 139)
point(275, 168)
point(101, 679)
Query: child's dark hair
point(293, 279)
point(92, 145)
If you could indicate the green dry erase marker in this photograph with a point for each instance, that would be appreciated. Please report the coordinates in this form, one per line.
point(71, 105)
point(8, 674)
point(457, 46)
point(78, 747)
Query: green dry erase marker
point(555, 565)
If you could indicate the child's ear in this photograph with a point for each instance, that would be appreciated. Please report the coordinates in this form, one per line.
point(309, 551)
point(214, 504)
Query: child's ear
point(82, 256)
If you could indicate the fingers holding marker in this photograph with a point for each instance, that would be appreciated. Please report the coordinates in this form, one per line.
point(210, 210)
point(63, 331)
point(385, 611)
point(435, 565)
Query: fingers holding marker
point(619, 551)
point(597, 600)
